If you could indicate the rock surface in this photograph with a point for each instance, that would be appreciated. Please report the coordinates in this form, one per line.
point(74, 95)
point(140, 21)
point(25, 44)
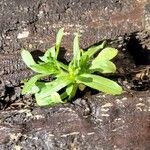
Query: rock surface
point(96, 122)
point(32, 24)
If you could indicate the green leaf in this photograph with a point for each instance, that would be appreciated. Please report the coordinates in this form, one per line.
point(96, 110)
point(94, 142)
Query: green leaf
point(49, 55)
point(100, 83)
point(29, 86)
point(62, 65)
point(84, 64)
point(52, 99)
point(67, 92)
point(58, 40)
point(45, 68)
point(106, 54)
point(72, 91)
point(103, 66)
point(93, 50)
point(82, 87)
point(53, 86)
point(76, 51)
point(27, 58)
point(71, 67)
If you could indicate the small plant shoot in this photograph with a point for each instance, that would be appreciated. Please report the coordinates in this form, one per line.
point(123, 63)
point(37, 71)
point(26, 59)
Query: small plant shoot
point(67, 79)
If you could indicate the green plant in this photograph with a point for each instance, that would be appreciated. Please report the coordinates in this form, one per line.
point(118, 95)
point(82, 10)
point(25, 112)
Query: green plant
point(68, 78)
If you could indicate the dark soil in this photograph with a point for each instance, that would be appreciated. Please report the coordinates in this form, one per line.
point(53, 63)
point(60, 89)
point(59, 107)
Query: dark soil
point(93, 120)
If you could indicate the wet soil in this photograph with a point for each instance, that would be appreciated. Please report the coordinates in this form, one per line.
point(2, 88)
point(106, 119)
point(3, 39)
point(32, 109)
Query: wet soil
point(93, 120)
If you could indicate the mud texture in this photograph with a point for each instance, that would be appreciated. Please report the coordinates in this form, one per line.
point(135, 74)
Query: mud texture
point(90, 122)
point(32, 24)
point(96, 122)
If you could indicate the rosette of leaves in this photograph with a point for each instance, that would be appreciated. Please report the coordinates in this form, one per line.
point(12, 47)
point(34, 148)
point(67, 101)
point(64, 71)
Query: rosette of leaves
point(67, 79)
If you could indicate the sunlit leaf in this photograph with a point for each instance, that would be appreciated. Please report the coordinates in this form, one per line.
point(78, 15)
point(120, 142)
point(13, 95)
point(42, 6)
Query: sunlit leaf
point(62, 65)
point(54, 86)
point(100, 83)
point(106, 54)
point(93, 50)
point(27, 58)
point(71, 91)
point(28, 86)
point(76, 50)
point(46, 68)
point(103, 66)
point(49, 55)
point(58, 40)
point(52, 99)
point(84, 63)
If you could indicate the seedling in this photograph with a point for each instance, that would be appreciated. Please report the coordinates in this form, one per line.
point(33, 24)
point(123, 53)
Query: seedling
point(78, 74)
